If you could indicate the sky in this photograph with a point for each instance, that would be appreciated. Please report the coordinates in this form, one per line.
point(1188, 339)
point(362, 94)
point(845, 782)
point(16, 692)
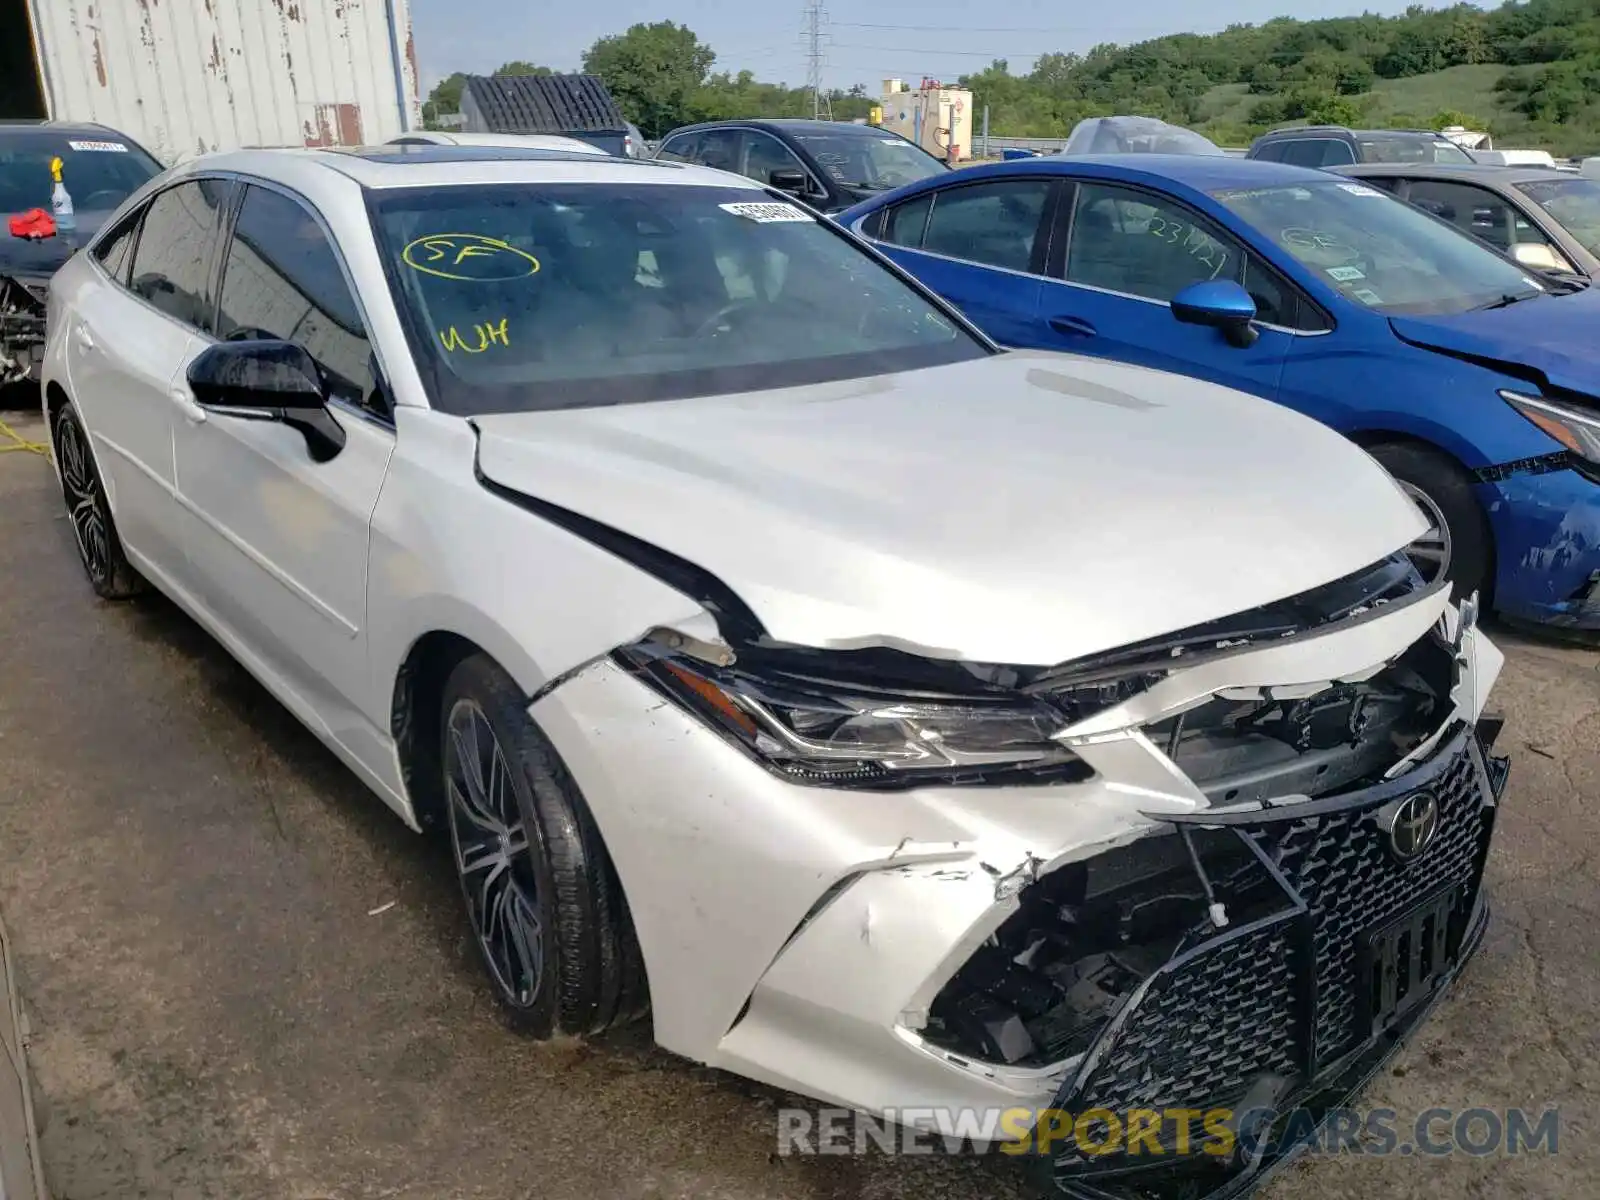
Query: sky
point(862, 42)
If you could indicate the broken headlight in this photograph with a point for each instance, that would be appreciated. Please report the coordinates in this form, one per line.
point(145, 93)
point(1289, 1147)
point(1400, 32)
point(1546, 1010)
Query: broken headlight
point(1575, 428)
point(842, 734)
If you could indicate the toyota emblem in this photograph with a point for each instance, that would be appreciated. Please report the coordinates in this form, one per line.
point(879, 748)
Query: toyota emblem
point(1413, 825)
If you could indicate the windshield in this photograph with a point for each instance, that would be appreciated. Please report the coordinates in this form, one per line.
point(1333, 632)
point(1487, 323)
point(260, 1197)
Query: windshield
point(871, 160)
point(98, 174)
point(523, 297)
point(1412, 150)
point(1377, 251)
point(1574, 203)
point(1135, 135)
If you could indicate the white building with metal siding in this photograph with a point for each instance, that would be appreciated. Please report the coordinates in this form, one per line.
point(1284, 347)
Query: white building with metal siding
point(187, 76)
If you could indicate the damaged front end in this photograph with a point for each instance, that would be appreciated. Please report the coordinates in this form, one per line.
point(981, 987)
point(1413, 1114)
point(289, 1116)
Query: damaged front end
point(1168, 876)
point(1254, 960)
point(22, 327)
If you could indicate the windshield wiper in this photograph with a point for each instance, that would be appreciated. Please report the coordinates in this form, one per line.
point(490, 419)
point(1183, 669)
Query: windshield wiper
point(1507, 300)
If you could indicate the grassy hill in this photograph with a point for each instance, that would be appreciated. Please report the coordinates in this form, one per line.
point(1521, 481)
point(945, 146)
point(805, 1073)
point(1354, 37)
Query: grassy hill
point(1412, 101)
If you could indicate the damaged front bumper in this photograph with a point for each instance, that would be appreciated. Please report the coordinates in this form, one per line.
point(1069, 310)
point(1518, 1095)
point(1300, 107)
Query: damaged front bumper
point(22, 328)
point(1000, 947)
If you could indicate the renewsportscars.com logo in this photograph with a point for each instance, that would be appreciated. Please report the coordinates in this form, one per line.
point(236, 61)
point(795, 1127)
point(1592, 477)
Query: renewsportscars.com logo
point(1219, 1132)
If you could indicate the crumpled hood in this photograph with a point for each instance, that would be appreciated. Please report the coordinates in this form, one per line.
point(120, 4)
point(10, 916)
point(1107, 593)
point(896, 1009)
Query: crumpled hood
point(1553, 335)
point(1027, 508)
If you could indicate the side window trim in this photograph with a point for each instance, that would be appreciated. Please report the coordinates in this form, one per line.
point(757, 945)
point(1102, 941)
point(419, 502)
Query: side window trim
point(1041, 235)
point(225, 246)
point(133, 225)
point(1059, 265)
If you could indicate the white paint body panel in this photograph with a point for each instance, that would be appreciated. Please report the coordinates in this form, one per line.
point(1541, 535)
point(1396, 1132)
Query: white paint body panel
point(1080, 506)
point(184, 77)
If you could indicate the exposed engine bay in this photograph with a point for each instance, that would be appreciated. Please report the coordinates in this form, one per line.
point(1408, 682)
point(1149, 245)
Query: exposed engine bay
point(22, 327)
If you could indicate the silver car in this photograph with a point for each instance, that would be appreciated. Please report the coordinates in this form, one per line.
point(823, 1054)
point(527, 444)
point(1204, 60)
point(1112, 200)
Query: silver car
point(911, 725)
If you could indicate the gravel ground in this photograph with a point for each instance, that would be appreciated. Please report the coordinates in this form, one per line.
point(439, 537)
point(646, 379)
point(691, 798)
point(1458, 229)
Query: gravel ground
point(189, 879)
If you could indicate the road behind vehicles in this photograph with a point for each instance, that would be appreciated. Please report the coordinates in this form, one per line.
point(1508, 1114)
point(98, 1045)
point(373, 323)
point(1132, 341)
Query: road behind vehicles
point(1471, 380)
point(828, 164)
point(606, 515)
point(1547, 220)
point(100, 169)
point(1334, 145)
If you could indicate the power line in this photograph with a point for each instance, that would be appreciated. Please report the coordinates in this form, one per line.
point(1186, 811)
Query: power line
point(815, 19)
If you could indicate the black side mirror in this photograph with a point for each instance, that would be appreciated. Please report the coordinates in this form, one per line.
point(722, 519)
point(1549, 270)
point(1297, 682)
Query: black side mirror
point(787, 179)
point(267, 380)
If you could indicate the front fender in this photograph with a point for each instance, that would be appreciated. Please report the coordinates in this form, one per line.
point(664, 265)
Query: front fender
point(1365, 388)
point(446, 555)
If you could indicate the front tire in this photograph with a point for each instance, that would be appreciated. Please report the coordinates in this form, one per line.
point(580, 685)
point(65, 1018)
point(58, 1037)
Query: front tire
point(547, 912)
point(1458, 543)
point(99, 548)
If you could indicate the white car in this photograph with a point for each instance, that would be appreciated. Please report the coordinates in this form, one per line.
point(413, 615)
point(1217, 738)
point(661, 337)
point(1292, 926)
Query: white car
point(898, 721)
point(523, 141)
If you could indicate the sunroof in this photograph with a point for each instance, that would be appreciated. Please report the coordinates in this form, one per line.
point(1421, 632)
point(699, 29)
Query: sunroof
point(430, 153)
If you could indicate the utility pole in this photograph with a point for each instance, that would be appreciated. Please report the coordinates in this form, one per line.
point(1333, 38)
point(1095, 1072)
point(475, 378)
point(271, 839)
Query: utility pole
point(815, 16)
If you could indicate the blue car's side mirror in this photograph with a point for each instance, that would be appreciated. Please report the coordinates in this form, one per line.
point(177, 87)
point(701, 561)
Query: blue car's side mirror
point(1221, 304)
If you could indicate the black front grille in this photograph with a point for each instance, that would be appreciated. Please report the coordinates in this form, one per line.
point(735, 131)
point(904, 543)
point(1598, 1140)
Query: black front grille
point(1342, 867)
point(1279, 997)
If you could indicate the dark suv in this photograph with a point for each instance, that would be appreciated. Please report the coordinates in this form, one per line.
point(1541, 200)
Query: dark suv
point(1336, 146)
point(828, 164)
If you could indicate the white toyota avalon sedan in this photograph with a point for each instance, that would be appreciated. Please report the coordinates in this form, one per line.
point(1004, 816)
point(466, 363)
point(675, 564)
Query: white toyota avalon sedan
point(912, 725)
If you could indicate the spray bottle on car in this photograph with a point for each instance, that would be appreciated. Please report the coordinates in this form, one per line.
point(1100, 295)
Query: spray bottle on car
point(61, 199)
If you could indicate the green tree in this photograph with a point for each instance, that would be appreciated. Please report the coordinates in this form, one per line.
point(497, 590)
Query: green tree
point(444, 98)
point(653, 71)
point(521, 68)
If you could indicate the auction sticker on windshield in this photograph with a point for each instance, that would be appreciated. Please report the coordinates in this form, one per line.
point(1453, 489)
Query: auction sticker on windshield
point(765, 213)
point(1359, 189)
point(101, 147)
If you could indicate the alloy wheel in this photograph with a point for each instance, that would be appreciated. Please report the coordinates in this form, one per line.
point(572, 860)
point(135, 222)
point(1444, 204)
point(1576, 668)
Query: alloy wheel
point(85, 501)
point(1431, 552)
point(492, 852)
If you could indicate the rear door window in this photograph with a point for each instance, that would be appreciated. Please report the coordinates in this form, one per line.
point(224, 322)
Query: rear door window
point(115, 249)
point(177, 246)
point(996, 224)
point(1318, 152)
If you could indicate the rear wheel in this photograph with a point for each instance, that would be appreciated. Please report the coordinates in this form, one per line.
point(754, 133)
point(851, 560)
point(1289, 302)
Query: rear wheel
point(99, 547)
point(1457, 543)
point(546, 909)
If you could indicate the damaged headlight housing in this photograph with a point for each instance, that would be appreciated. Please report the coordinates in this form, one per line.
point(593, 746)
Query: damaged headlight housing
point(1578, 429)
point(840, 734)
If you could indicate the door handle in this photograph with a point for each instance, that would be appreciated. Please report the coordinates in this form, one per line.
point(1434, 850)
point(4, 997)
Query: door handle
point(189, 407)
point(83, 336)
point(1072, 326)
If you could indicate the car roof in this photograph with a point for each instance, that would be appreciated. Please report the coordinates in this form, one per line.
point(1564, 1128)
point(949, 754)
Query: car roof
point(1290, 131)
point(27, 125)
point(789, 124)
point(1203, 172)
point(527, 141)
point(382, 167)
point(1481, 172)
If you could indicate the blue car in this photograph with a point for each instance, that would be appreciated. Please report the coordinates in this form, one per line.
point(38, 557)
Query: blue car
point(1473, 381)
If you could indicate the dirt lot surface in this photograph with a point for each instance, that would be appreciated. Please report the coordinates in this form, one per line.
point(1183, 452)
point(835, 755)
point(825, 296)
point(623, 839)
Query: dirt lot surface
point(190, 878)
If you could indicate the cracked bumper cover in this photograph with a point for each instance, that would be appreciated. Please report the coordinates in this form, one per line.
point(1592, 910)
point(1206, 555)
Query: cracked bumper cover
point(801, 935)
